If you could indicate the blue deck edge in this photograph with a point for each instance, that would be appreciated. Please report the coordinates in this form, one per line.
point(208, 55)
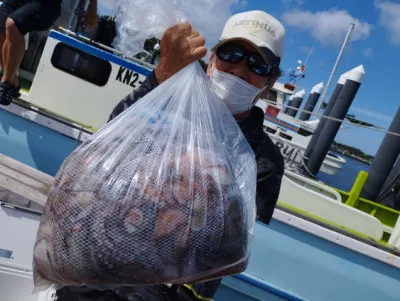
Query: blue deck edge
point(267, 287)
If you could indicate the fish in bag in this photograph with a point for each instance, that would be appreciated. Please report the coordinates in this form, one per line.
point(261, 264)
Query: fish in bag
point(164, 193)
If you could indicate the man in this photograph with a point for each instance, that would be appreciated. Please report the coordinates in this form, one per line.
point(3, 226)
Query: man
point(243, 66)
point(245, 62)
point(17, 18)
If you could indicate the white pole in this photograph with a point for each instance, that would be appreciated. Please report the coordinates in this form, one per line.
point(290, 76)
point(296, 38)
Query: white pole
point(335, 67)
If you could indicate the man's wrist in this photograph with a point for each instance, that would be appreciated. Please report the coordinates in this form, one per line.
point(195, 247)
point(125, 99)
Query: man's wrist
point(93, 4)
point(153, 79)
point(160, 75)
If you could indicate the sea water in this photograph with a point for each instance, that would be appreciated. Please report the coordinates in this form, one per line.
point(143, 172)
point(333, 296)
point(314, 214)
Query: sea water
point(347, 175)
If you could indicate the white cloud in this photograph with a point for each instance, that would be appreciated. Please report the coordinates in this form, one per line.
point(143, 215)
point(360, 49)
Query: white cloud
point(373, 114)
point(329, 26)
point(390, 19)
point(367, 52)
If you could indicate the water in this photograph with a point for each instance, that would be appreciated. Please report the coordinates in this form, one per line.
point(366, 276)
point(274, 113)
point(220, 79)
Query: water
point(347, 175)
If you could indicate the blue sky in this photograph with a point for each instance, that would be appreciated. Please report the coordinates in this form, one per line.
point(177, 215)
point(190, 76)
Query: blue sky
point(323, 25)
point(375, 45)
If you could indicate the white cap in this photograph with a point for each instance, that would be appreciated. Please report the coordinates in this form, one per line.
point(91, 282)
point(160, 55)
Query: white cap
point(262, 30)
point(357, 74)
point(318, 88)
point(343, 78)
point(300, 94)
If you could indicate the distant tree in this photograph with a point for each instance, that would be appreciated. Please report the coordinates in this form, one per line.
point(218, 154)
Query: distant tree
point(353, 150)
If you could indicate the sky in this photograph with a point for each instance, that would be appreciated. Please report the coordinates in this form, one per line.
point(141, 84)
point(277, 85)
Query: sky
point(322, 26)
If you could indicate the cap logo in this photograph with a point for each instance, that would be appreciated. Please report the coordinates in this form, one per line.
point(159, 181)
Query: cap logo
point(255, 26)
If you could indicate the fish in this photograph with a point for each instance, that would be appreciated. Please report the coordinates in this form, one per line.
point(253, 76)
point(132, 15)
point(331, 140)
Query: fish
point(153, 213)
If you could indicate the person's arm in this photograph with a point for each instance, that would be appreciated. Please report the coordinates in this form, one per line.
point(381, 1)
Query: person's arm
point(180, 46)
point(148, 85)
point(91, 14)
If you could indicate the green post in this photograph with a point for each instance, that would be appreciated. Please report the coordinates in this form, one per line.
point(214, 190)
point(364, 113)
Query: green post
point(355, 191)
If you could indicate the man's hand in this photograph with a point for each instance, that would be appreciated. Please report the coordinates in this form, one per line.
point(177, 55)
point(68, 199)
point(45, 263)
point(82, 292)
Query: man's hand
point(180, 46)
point(91, 15)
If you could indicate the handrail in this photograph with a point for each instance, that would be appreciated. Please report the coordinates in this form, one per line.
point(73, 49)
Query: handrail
point(131, 58)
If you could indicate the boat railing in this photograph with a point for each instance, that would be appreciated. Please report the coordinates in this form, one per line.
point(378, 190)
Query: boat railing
point(342, 121)
point(316, 199)
point(395, 235)
point(105, 47)
point(313, 185)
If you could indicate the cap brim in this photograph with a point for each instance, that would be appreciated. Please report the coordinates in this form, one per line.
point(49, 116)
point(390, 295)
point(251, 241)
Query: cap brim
point(264, 49)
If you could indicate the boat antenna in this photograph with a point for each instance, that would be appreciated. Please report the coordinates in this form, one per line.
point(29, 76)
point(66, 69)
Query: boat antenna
point(352, 25)
point(308, 56)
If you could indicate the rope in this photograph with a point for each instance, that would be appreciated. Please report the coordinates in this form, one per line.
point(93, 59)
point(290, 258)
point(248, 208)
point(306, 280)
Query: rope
point(382, 130)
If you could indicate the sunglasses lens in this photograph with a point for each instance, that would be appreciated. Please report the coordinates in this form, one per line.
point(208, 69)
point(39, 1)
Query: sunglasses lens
point(230, 53)
point(233, 54)
point(258, 65)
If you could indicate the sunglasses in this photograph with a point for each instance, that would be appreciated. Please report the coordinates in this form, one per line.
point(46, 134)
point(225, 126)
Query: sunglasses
point(232, 53)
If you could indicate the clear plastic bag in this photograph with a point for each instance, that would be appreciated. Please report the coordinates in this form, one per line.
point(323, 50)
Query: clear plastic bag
point(138, 20)
point(164, 193)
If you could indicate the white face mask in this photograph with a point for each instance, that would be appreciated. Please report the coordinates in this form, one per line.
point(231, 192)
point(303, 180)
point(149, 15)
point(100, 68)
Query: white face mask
point(237, 94)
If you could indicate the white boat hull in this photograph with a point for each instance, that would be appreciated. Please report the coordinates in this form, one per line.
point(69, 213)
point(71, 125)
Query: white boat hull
point(17, 236)
point(293, 136)
point(293, 155)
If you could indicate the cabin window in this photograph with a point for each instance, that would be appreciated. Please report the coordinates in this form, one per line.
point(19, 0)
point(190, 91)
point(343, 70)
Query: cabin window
point(270, 130)
point(304, 132)
point(272, 96)
point(285, 136)
point(81, 64)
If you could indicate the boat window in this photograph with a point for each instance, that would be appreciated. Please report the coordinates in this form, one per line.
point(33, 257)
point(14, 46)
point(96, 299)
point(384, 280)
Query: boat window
point(81, 64)
point(304, 132)
point(272, 96)
point(285, 136)
point(270, 130)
